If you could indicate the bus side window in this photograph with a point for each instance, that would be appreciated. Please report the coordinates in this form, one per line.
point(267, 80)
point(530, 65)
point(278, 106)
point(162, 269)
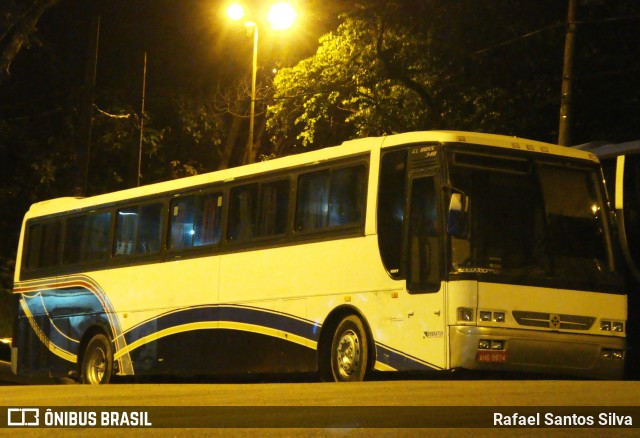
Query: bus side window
point(243, 212)
point(423, 241)
point(274, 208)
point(208, 219)
point(195, 221)
point(391, 199)
point(43, 245)
point(49, 245)
point(138, 230)
point(348, 188)
point(331, 198)
point(86, 238)
point(33, 249)
point(313, 200)
point(258, 210)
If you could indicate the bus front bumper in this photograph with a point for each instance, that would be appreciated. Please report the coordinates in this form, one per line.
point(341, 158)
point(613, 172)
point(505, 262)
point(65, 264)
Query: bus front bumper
point(529, 351)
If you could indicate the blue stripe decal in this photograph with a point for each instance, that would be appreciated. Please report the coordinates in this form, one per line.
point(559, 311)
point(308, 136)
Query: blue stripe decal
point(241, 314)
point(401, 361)
point(49, 310)
point(173, 319)
point(63, 309)
point(279, 321)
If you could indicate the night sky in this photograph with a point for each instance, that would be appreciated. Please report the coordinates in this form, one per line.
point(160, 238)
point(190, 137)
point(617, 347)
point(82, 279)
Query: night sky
point(189, 43)
point(193, 48)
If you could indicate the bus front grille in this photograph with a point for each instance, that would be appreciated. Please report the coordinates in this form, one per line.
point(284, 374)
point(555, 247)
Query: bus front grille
point(553, 321)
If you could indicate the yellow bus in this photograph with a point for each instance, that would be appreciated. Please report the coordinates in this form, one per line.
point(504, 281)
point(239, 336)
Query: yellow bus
point(417, 251)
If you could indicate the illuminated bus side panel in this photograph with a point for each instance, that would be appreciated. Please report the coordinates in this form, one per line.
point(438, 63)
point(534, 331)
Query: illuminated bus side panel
point(167, 311)
point(315, 280)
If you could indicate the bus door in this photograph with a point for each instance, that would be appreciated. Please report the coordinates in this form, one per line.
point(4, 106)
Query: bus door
point(409, 236)
point(423, 264)
point(418, 316)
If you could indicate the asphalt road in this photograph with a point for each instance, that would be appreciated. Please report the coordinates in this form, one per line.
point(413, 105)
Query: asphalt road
point(387, 408)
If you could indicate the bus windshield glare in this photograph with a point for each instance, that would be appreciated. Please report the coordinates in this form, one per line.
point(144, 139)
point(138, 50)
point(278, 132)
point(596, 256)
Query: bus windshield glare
point(531, 222)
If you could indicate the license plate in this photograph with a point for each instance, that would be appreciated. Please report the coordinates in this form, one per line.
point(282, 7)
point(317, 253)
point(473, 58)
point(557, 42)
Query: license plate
point(491, 356)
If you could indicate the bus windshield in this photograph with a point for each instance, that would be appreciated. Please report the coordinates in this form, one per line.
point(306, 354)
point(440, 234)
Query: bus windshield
point(552, 227)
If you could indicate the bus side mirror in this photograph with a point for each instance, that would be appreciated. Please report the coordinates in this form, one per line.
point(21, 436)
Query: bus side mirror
point(457, 217)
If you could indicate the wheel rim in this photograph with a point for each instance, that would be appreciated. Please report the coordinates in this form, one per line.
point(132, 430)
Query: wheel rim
point(348, 354)
point(96, 365)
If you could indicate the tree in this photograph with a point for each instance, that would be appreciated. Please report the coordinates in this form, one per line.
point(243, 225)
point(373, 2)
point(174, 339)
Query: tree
point(191, 138)
point(113, 163)
point(412, 65)
point(18, 20)
point(389, 67)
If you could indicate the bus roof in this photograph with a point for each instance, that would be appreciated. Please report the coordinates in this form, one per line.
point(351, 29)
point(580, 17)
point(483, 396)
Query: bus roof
point(346, 149)
point(605, 150)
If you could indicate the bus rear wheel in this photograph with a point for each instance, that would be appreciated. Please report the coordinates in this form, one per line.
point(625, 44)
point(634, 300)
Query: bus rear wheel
point(97, 361)
point(349, 351)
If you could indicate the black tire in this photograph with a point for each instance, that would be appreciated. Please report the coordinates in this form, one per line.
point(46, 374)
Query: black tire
point(349, 352)
point(97, 361)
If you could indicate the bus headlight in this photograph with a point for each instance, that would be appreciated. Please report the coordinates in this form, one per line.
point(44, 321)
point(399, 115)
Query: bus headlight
point(492, 344)
point(610, 353)
point(466, 314)
point(487, 316)
point(612, 326)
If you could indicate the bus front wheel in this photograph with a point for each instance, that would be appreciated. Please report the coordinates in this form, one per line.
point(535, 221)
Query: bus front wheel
point(349, 351)
point(97, 361)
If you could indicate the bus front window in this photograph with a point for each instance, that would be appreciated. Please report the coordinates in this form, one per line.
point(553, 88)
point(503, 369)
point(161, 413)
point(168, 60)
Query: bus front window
point(530, 223)
point(577, 234)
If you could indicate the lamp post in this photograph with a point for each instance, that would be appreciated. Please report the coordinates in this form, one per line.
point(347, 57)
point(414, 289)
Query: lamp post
point(252, 114)
point(281, 17)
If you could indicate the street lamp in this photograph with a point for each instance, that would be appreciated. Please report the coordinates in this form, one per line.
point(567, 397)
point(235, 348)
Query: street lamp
point(281, 16)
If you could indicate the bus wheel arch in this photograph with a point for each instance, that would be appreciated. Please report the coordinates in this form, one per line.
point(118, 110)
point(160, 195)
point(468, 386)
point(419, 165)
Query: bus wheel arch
point(95, 360)
point(346, 336)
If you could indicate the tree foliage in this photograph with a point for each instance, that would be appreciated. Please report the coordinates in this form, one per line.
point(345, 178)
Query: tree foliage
point(18, 20)
point(191, 138)
point(393, 66)
point(389, 67)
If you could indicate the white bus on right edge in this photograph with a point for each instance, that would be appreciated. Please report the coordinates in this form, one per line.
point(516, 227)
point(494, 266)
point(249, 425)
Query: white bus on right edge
point(621, 167)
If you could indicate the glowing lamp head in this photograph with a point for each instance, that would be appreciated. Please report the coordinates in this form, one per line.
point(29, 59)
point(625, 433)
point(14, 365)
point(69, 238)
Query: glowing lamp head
point(235, 11)
point(281, 16)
